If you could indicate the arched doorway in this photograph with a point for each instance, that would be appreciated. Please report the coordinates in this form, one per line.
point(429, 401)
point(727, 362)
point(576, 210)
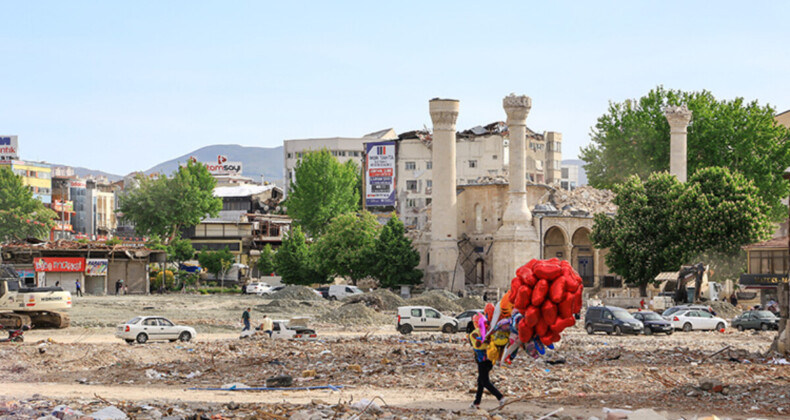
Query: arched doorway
point(555, 244)
point(582, 256)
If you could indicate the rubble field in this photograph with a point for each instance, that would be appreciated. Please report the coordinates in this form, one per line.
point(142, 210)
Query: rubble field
point(370, 371)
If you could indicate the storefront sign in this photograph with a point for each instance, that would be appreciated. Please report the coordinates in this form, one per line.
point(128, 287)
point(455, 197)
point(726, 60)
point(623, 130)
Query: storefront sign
point(762, 280)
point(61, 264)
point(63, 206)
point(380, 174)
point(95, 267)
point(26, 273)
point(9, 148)
point(77, 184)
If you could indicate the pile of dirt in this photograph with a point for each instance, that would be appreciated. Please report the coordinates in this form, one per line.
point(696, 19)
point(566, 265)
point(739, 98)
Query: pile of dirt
point(355, 314)
point(296, 293)
point(585, 199)
point(379, 299)
point(445, 293)
point(471, 302)
point(437, 301)
point(724, 309)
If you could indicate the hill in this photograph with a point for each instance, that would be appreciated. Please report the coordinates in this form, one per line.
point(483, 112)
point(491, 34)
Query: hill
point(256, 161)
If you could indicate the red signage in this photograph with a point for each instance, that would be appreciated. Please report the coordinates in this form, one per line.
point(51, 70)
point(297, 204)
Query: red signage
point(59, 264)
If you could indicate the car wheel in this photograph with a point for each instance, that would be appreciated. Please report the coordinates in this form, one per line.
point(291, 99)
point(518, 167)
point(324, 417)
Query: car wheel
point(764, 327)
point(740, 328)
point(405, 329)
point(172, 340)
point(185, 336)
point(669, 332)
point(129, 341)
point(719, 326)
point(332, 297)
point(687, 327)
point(618, 330)
point(470, 327)
point(448, 328)
point(590, 329)
point(142, 338)
point(648, 331)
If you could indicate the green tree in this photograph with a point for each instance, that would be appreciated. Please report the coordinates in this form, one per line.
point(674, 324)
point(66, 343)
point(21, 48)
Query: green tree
point(217, 263)
point(346, 249)
point(395, 258)
point(324, 189)
point(21, 215)
point(294, 261)
point(632, 138)
point(662, 224)
point(265, 261)
point(178, 251)
point(162, 206)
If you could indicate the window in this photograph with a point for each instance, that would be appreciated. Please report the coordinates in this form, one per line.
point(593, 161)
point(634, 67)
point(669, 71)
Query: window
point(165, 323)
point(410, 166)
point(429, 164)
point(411, 202)
point(428, 201)
point(429, 183)
point(564, 173)
point(494, 157)
point(768, 262)
point(411, 185)
point(416, 312)
point(430, 313)
point(290, 155)
point(473, 164)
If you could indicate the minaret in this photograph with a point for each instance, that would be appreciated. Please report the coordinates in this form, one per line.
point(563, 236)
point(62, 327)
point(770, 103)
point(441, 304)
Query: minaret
point(516, 241)
point(443, 252)
point(678, 118)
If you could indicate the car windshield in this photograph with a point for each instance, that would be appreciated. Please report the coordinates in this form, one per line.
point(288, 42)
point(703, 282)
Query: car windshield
point(670, 311)
point(623, 315)
point(764, 314)
point(133, 320)
point(651, 316)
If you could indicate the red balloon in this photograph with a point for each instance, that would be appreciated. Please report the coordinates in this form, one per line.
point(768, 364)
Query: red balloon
point(547, 339)
point(565, 308)
point(557, 289)
point(547, 271)
point(541, 327)
point(531, 263)
point(532, 316)
point(523, 298)
point(539, 292)
point(571, 285)
point(549, 312)
point(525, 332)
point(523, 272)
point(489, 310)
point(515, 285)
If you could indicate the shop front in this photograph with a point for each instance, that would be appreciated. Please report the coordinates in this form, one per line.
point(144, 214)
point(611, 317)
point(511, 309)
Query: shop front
point(96, 276)
point(59, 271)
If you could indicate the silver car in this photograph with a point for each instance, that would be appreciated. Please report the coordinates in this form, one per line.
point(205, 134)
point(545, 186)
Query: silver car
point(144, 328)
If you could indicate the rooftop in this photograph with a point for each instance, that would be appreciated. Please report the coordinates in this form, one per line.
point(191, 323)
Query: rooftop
point(774, 243)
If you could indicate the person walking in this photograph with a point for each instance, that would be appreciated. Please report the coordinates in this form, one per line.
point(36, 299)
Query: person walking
point(78, 286)
point(245, 317)
point(733, 299)
point(267, 325)
point(484, 366)
point(117, 287)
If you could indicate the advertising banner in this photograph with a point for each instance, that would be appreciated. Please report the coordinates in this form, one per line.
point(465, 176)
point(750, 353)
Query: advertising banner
point(380, 174)
point(9, 148)
point(60, 264)
point(222, 166)
point(96, 267)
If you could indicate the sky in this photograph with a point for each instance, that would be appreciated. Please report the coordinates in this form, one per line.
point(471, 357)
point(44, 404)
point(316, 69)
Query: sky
point(123, 86)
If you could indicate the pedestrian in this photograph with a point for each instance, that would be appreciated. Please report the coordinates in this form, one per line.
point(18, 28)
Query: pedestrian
point(57, 283)
point(733, 299)
point(78, 286)
point(245, 317)
point(484, 366)
point(117, 286)
point(125, 289)
point(267, 326)
point(642, 304)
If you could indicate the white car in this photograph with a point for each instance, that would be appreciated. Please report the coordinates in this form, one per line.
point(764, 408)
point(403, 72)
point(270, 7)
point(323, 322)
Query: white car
point(283, 330)
point(144, 328)
point(465, 320)
point(259, 288)
point(696, 319)
point(424, 318)
point(338, 291)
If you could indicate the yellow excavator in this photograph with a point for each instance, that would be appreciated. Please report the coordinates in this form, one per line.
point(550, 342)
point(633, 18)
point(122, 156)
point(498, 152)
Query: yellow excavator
point(36, 306)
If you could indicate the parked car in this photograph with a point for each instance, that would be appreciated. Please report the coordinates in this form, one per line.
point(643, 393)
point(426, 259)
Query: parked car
point(145, 328)
point(611, 319)
point(653, 323)
point(758, 320)
point(258, 288)
point(465, 320)
point(281, 329)
point(338, 291)
point(696, 319)
point(424, 318)
point(671, 311)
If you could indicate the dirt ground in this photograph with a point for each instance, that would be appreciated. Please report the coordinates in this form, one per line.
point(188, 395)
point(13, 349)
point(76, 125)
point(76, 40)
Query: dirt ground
point(417, 376)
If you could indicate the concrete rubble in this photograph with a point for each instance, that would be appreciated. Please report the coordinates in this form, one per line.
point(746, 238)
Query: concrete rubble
point(585, 199)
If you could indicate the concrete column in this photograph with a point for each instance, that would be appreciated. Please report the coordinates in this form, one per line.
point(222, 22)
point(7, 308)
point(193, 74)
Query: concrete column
point(443, 252)
point(567, 250)
point(516, 241)
point(678, 118)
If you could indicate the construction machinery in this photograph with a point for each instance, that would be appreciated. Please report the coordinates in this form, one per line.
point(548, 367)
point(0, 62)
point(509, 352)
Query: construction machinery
point(37, 306)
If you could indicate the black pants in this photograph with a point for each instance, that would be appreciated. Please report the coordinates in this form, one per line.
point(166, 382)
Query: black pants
point(78, 292)
point(484, 382)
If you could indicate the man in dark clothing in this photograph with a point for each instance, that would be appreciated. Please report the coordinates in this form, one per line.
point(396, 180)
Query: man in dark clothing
point(246, 318)
point(117, 287)
point(484, 366)
point(78, 286)
point(733, 299)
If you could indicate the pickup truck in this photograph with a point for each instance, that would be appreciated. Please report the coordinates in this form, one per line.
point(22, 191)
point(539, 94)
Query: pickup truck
point(283, 330)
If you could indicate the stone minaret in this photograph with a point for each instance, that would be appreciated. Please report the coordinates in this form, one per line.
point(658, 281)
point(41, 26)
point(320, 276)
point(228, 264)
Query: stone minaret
point(678, 118)
point(443, 252)
point(516, 241)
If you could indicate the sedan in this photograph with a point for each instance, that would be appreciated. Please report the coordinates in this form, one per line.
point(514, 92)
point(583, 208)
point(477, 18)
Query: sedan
point(694, 319)
point(653, 322)
point(465, 320)
point(758, 320)
point(144, 328)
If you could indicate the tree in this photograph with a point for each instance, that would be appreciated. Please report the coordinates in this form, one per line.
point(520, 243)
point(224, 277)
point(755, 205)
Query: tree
point(324, 189)
point(217, 263)
point(632, 138)
point(294, 262)
point(178, 251)
point(395, 258)
point(661, 223)
point(21, 215)
point(266, 260)
point(347, 247)
point(162, 206)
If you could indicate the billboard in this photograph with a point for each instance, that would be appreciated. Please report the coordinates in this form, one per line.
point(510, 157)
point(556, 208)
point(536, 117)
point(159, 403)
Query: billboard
point(222, 167)
point(380, 174)
point(95, 267)
point(59, 264)
point(9, 148)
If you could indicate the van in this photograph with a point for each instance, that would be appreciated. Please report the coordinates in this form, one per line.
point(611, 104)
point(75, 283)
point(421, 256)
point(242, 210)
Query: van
point(338, 291)
point(611, 319)
point(424, 318)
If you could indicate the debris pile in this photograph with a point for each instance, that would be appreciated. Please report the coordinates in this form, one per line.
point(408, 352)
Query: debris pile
point(584, 199)
point(437, 300)
point(355, 314)
point(295, 293)
point(471, 302)
point(379, 299)
point(724, 309)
